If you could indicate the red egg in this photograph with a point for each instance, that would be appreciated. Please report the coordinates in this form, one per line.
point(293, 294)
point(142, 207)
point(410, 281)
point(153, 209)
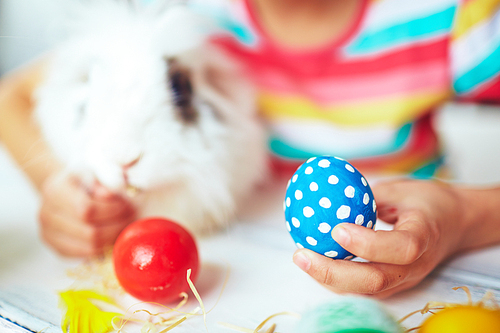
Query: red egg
point(151, 258)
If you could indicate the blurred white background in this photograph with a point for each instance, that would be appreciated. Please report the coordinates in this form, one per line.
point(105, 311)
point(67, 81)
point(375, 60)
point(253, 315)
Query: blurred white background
point(27, 28)
point(471, 133)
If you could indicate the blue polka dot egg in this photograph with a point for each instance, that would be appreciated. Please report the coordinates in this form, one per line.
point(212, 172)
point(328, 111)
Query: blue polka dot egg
point(323, 192)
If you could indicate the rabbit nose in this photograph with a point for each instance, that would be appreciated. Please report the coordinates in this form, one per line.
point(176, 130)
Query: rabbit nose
point(130, 164)
point(127, 166)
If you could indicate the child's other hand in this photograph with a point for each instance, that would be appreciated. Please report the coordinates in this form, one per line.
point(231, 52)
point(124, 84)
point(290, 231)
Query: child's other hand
point(76, 221)
point(428, 227)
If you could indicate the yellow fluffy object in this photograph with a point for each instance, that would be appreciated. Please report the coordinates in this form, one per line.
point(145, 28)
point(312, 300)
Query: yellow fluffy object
point(82, 314)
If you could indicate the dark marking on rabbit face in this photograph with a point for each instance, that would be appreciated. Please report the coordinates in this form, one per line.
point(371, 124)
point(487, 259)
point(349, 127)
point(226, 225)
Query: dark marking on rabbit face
point(179, 80)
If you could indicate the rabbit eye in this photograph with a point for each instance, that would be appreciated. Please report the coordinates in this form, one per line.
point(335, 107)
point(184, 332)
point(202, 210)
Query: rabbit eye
point(182, 91)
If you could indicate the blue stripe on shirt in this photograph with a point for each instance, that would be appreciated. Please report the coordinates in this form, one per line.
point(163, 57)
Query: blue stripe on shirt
point(484, 71)
point(420, 28)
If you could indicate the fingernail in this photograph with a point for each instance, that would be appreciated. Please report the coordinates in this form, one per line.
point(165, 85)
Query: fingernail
point(341, 235)
point(302, 260)
point(388, 210)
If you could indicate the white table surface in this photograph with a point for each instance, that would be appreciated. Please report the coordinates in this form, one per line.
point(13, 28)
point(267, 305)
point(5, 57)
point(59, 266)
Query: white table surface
point(257, 250)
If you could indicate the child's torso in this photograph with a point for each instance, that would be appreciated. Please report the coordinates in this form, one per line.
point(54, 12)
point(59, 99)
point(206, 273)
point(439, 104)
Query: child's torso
point(366, 96)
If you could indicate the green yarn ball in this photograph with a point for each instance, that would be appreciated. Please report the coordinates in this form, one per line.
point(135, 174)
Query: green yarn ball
point(349, 314)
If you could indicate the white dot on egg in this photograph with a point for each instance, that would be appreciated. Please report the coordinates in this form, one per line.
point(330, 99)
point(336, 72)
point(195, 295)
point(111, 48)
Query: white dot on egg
point(324, 163)
point(309, 170)
point(300, 246)
point(324, 227)
point(298, 194)
point(308, 211)
point(374, 206)
point(313, 186)
point(331, 254)
point(349, 167)
point(363, 180)
point(333, 180)
point(295, 222)
point(311, 241)
point(310, 159)
point(349, 191)
point(294, 178)
point(325, 202)
point(343, 212)
point(284, 206)
point(366, 199)
point(288, 202)
point(369, 224)
point(288, 226)
point(359, 219)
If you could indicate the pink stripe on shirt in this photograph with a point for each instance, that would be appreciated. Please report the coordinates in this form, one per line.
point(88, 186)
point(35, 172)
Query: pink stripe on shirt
point(423, 77)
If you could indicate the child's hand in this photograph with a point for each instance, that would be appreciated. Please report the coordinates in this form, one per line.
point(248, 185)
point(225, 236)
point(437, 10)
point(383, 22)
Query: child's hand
point(428, 220)
point(77, 221)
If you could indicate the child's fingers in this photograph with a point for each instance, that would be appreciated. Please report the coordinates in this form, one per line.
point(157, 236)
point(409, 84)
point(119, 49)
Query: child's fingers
point(401, 246)
point(388, 192)
point(107, 234)
point(100, 192)
point(387, 213)
point(70, 236)
point(69, 197)
point(105, 212)
point(388, 197)
point(69, 246)
point(101, 206)
point(66, 235)
point(351, 277)
point(396, 289)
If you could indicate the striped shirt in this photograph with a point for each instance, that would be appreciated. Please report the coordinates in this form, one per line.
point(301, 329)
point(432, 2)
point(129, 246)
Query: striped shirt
point(369, 96)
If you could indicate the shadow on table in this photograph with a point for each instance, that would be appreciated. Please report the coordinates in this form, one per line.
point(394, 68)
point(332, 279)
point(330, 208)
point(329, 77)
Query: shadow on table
point(16, 244)
point(211, 279)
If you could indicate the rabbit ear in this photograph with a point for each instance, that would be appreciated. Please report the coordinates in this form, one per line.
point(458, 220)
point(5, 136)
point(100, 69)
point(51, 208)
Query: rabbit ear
point(180, 29)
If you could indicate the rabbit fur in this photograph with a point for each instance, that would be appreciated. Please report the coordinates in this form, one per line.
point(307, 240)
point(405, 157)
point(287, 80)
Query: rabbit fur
point(111, 113)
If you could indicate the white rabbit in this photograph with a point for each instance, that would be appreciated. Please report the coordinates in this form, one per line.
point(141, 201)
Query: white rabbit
point(136, 100)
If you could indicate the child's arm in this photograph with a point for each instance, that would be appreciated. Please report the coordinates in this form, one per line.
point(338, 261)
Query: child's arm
point(432, 221)
point(18, 132)
point(72, 220)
